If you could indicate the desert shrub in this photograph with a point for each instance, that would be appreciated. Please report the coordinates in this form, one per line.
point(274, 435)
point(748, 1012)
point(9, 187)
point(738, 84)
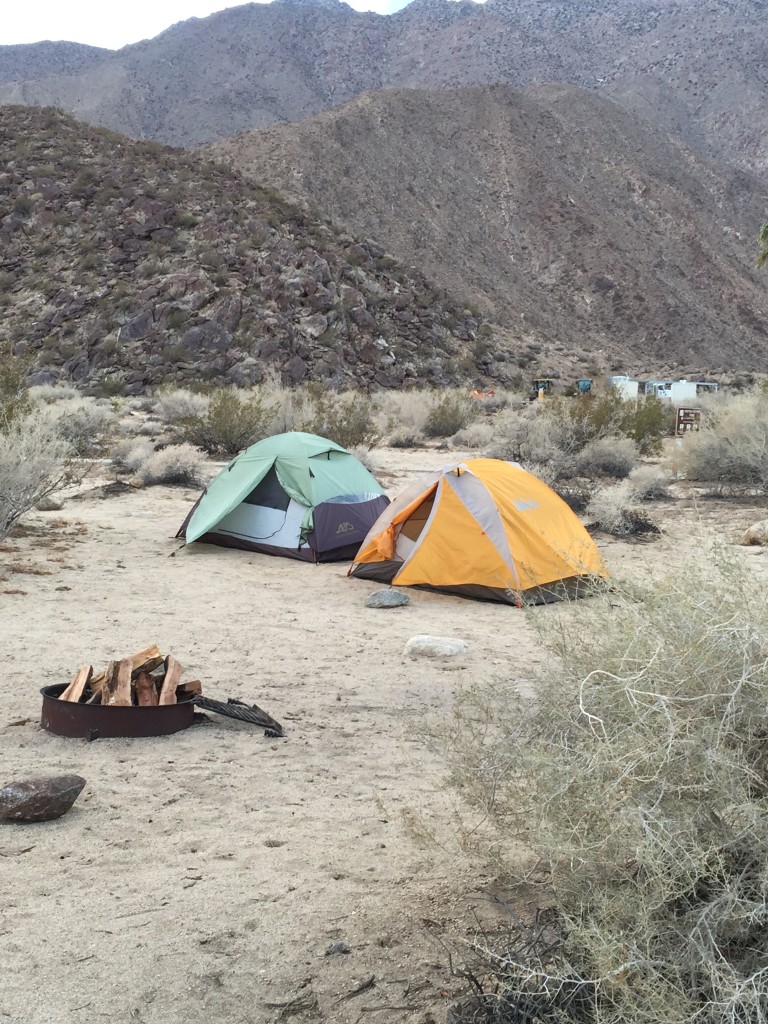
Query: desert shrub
point(611, 510)
point(402, 415)
point(607, 456)
point(646, 421)
point(556, 431)
point(448, 413)
point(86, 424)
point(34, 462)
point(131, 453)
point(732, 446)
point(293, 406)
point(14, 370)
point(476, 435)
point(348, 419)
point(233, 421)
point(649, 483)
point(365, 456)
point(176, 404)
point(176, 464)
point(631, 788)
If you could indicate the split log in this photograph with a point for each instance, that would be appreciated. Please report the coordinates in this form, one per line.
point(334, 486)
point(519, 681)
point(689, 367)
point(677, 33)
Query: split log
point(148, 658)
point(74, 691)
point(173, 670)
point(116, 690)
point(146, 690)
point(190, 686)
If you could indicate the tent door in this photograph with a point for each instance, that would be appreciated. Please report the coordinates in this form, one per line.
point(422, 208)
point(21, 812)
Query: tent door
point(410, 531)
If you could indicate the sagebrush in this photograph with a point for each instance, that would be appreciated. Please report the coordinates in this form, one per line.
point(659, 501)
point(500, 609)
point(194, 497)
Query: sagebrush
point(35, 461)
point(635, 782)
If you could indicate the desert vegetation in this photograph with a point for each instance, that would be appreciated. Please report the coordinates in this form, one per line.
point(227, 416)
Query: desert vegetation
point(627, 798)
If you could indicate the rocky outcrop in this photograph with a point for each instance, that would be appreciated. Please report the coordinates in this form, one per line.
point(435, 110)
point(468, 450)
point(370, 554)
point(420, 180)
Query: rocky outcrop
point(126, 265)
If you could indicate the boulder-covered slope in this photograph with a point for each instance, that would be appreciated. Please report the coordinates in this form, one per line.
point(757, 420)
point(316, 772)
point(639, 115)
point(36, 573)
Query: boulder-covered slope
point(125, 264)
point(572, 220)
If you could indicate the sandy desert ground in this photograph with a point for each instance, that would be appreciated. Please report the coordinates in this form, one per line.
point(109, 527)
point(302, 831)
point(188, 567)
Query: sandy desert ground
point(202, 877)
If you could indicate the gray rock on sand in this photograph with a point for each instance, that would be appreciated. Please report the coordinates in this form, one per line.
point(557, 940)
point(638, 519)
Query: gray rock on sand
point(757, 534)
point(387, 599)
point(39, 799)
point(423, 646)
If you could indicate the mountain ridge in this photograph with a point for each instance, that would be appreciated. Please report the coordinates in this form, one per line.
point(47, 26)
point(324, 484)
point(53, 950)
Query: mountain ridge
point(695, 68)
point(576, 224)
point(124, 265)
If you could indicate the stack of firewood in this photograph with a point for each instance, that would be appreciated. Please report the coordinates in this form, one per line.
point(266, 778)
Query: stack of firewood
point(146, 679)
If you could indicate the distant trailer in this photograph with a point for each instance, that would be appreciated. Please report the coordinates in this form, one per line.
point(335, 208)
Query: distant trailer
point(625, 387)
point(677, 390)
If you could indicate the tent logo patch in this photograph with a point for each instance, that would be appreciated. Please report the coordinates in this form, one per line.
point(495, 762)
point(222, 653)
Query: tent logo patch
point(345, 528)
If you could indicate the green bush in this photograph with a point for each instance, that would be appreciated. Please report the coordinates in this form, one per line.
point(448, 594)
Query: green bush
point(449, 413)
point(14, 370)
point(632, 789)
point(233, 421)
point(646, 421)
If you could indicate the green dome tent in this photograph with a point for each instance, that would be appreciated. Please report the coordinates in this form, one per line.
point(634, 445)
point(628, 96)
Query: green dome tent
point(296, 495)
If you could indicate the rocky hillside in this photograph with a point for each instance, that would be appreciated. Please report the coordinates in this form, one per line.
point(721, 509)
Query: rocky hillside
point(695, 67)
point(127, 264)
point(571, 219)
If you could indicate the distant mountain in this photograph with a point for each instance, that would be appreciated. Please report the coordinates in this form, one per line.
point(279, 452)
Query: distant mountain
point(694, 67)
point(43, 60)
point(585, 230)
point(126, 264)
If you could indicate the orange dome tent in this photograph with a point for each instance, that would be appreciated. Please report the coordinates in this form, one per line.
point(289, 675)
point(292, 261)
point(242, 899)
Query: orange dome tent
point(484, 528)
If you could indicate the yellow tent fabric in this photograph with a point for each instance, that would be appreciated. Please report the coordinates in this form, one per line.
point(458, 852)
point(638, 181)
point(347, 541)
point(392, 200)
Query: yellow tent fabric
point(485, 528)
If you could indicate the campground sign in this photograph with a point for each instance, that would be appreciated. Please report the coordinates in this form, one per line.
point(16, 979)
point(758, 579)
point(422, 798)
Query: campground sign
point(687, 420)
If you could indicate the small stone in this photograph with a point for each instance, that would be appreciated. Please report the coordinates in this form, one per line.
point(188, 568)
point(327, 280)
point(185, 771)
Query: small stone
point(387, 599)
point(40, 799)
point(337, 948)
point(757, 534)
point(423, 646)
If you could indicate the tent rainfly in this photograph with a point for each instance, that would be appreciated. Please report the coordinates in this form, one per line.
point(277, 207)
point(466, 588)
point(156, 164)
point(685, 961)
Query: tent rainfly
point(485, 529)
point(294, 494)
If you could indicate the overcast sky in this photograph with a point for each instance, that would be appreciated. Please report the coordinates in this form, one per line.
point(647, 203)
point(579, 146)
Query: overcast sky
point(114, 24)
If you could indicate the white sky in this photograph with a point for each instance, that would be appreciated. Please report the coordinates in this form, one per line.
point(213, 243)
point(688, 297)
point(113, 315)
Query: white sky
point(115, 23)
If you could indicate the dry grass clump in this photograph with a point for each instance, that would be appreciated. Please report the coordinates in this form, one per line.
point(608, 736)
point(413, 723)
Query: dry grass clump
point(649, 483)
point(636, 779)
point(175, 405)
point(731, 449)
point(131, 453)
point(52, 392)
point(477, 435)
point(402, 415)
point(176, 464)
